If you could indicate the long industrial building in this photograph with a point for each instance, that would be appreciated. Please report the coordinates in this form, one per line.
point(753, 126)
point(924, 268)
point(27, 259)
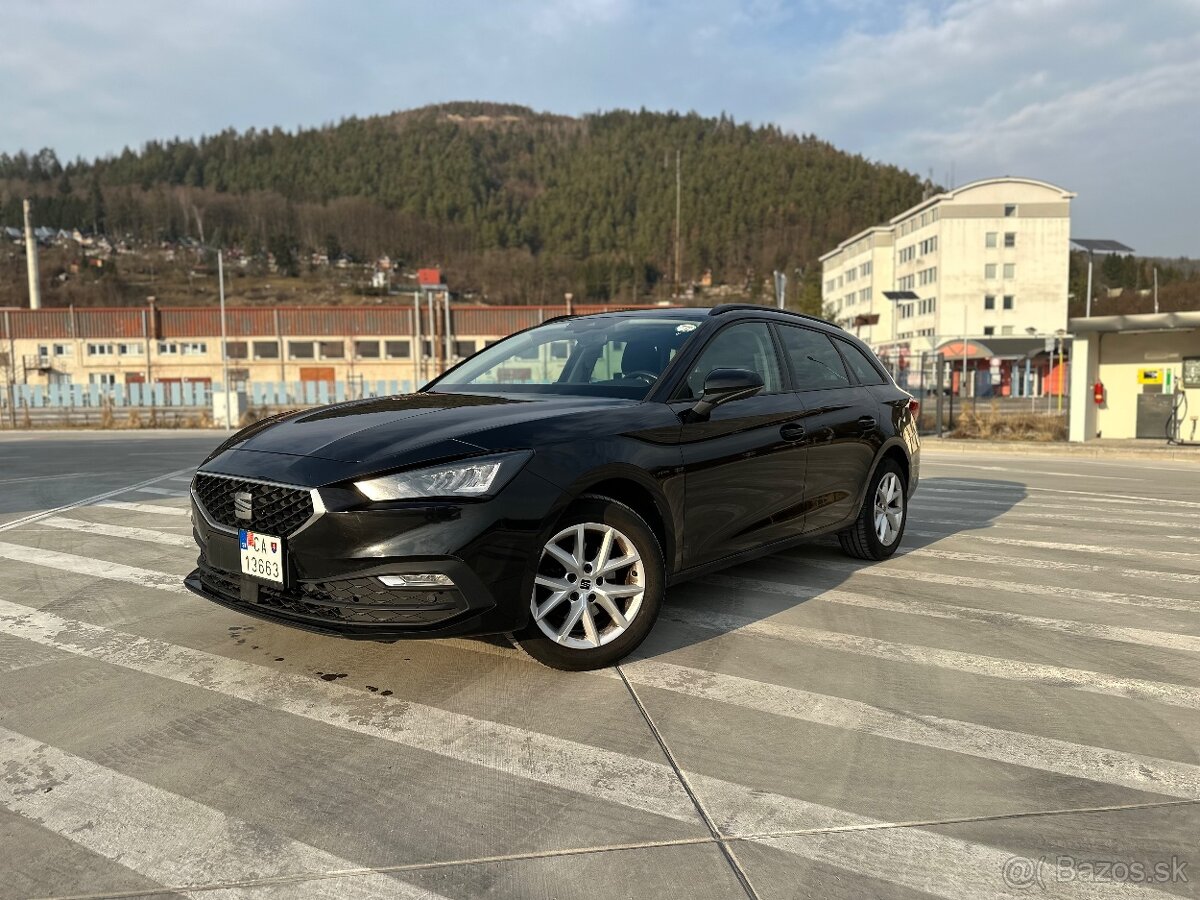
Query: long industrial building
point(178, 349)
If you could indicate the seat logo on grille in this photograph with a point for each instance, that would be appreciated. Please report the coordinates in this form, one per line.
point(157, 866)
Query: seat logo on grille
point(243, 505)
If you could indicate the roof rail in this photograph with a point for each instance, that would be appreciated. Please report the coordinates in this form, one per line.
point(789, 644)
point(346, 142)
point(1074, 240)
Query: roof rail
point(730, 307)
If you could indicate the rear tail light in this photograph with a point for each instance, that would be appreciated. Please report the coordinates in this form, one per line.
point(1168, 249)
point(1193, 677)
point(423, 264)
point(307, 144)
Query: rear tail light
point(914, 406)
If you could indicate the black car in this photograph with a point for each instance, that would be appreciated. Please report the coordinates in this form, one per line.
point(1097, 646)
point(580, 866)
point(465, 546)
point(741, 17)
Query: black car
point(553, 485)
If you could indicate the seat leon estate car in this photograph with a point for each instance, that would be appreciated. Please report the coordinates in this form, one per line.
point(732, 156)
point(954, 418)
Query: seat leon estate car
point(553, 486)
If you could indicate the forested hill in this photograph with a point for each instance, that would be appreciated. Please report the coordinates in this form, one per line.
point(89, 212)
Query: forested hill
point(509, 201)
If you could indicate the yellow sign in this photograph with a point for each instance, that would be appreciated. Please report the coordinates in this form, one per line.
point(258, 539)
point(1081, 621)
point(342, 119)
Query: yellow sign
point(1150, 376)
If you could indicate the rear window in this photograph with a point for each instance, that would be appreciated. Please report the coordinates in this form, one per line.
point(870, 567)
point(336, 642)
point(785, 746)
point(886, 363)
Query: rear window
point(863, 369)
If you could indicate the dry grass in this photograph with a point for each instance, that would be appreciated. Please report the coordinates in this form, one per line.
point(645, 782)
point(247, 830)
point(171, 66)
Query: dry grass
point(990, 425)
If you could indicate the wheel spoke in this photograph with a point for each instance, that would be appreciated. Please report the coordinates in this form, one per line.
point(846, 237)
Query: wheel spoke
point(894, 520)
point(549, 604)
point(604, 601)
point(617, 591)
point(881, 528)
point(571, 621)
point(589, 626)
point(554, 584)
point(615, 565)
point(605, 551)
point(580, 542)
point(567, 561)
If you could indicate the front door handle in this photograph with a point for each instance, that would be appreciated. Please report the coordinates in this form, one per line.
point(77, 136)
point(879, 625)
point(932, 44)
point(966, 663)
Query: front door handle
point(793, 431)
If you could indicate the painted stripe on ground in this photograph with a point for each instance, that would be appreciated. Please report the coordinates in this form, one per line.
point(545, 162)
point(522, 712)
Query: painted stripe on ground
point(1135, 771)
point(1141, 636)
point(95, 568)
point(933, 515)
point(923, 501)
point(1125, 552)
point(165, 837)
point(1057, 565)
point(162, 492)
point(974, 526)
point(87, 501)
point(883, 570)
point(1113, 498)
point(953, 660)
point(146, 508)
point(637, 784)
point(649, 786)
point(124, 532)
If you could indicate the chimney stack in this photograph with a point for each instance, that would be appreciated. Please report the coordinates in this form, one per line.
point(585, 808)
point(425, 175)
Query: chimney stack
point(31, 261)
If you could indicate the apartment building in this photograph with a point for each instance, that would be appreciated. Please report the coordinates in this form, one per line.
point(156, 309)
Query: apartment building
point(988, 258)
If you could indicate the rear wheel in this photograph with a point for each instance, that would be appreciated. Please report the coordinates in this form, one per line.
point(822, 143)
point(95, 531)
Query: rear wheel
point(877, 531)
point(597, 588)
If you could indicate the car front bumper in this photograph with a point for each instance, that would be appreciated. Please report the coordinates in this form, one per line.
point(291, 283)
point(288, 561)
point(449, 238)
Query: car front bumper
point(334, 562)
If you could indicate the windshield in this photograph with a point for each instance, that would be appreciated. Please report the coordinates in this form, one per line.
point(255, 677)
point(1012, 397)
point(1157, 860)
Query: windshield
point(605, 356)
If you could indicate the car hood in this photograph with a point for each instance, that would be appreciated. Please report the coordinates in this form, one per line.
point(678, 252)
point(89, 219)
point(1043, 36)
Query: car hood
point(387, 432)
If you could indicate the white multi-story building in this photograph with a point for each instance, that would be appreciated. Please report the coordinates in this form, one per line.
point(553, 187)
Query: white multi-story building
point(988, 258)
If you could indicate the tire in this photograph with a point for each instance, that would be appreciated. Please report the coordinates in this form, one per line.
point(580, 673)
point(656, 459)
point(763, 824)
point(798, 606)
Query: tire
point(595, 638)
point(862, 539)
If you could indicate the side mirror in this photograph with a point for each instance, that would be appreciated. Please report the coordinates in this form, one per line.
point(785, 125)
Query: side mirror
point(723, 385)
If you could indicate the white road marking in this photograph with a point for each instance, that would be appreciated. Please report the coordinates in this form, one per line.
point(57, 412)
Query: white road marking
point(882, 570)
point(167, 838)
point(62, 477)
point(124, 532)
point(87, 501)
point(1125, 552)
point(973, 527)
point(1124, 498)
point(1025, 472)
point(1105, 507)
point(593, 772)
point(1019, 513)
point(94, 568)
point(145, 508)
point(162, 492)
point(1145, 637)
point(648, 786)
point(1131, 770)
point(969, 663)
point(1054, 564)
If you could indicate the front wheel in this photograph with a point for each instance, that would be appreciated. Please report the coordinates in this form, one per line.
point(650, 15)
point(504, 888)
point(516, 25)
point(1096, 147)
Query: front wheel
point(876, 532)
point(597, 588)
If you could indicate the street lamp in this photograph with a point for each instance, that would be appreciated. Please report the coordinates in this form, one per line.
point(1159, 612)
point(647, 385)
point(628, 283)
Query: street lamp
point(1092, 246)
point(897, 297)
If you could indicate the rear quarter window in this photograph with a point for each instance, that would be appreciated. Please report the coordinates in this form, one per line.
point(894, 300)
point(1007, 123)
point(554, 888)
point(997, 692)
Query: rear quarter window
point(864, 369)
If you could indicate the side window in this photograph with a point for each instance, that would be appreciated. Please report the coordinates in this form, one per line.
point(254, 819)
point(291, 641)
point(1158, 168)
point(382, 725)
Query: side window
point(745, 346)
point(863, 370)
point(816, 364)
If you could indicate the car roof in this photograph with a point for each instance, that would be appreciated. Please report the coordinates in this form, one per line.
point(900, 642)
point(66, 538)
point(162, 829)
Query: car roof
point(699, 313)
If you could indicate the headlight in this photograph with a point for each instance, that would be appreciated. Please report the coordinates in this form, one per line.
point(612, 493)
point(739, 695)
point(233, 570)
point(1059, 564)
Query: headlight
point(477, 477)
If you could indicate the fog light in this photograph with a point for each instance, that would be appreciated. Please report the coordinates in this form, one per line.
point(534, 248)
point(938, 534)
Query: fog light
point(422, 581)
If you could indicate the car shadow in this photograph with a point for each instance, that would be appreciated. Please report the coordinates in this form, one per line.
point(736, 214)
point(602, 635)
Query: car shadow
point(741, 597)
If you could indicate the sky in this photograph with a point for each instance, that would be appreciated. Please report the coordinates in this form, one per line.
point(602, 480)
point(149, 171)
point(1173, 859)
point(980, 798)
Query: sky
point(1101, 97)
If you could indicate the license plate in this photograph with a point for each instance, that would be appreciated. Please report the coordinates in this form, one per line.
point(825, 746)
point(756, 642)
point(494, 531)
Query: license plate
point(262, 555)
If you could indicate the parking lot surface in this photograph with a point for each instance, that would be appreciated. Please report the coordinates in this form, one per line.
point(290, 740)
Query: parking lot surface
point(1009, 707)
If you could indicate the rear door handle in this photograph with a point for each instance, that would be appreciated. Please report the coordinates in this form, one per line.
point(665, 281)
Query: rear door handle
point(792, 432)
point(866, 421)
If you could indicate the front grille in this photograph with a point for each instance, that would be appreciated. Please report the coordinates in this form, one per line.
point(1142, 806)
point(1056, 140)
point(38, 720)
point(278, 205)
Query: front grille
point(346, 602)
point(275, 509)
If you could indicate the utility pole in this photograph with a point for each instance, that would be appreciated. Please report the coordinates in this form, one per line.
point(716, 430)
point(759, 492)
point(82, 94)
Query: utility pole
point(678, 210)
point(1156, 289)
point(1088, 309)
point(224, 343)
point(31, 261)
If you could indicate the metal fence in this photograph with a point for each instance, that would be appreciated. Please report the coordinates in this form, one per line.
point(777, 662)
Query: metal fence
point(21, 403)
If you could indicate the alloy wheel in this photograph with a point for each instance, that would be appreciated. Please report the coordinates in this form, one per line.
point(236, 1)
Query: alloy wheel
point(889, 509)
point(589, 586)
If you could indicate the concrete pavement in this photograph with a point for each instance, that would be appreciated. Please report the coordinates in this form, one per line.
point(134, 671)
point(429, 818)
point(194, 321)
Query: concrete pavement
point(1011, 705)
